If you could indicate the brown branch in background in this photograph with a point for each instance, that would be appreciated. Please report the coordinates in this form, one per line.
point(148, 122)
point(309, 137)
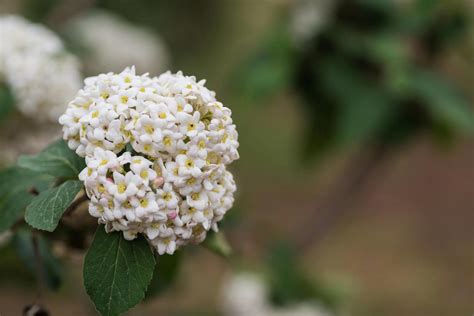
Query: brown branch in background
point(74, 205)
point(67, 10)
point(337, 202)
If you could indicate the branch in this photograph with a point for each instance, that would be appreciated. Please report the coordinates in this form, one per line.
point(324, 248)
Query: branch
point(38, 264)
point(337, 203)
point(74, 205)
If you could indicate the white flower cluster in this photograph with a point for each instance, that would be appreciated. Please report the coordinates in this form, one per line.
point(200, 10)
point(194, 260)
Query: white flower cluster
point(156, 151)
point(246, 294)
point(42, 76)
point(110, 43)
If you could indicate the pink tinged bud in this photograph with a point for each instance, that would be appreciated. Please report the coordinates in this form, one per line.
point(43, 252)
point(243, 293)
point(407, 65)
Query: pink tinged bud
point(158, 182)
point(172, 215)
point(110, 180)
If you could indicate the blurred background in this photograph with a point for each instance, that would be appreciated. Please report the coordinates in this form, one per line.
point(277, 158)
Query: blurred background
point(355, 120)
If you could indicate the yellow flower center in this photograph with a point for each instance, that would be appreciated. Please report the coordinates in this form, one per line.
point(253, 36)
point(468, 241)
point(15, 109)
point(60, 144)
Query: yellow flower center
point(144, 174)
point(149, 129)
point(162, 115)
point(167, 196)
point(189, 163)
point(167, 141)
point(195, 196)
point(121, 187)
point(144, 202)
point(124, 99)
point(95, 114)
point(101, 188)
point(105, 95)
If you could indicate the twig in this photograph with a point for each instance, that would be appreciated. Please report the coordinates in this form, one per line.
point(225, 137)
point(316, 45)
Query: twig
point(337, 203)
point(38, 264)
point(74, 205)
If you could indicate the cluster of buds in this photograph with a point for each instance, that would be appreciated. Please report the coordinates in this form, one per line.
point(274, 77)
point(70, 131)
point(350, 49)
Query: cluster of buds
point(156, 151)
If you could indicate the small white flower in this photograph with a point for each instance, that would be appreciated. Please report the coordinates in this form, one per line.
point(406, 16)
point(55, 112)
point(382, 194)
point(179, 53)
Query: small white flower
point(124, 186)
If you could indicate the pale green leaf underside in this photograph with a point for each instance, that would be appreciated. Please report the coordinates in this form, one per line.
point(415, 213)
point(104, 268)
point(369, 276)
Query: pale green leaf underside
point(117, 272)
point(57, 160)
point(46, 209)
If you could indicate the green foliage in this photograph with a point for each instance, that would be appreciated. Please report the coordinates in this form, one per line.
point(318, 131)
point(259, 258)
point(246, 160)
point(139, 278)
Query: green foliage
point(369, 76)
point(288, 285)
point(50, 267)
point(443, 103)
point(117, 272)
point(7, 102)
point(16, 187)
point(46, 209)
point(166, 272)
point(56, 160)
point(271, 69)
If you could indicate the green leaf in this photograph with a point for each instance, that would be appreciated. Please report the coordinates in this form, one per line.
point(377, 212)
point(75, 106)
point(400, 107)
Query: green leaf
point(289, 285)
point(46, 209)
point(443, 103)
point(272, 69)
point(57, 160)
point(15, 186)
point(51, 267)
point(7, 102)
point(166, 271)
point(117, 272)
point(217, 243)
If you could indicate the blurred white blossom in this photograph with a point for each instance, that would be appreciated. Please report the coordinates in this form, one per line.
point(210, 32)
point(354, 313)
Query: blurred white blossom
point(308, 18)
point(5, 238)
point(246, 294)
point(172, 184)
point(34, 65)
point(111, 43)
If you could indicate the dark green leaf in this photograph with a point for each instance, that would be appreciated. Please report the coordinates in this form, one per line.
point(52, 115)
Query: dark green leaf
point(117, 272)
point(166, 271)
point(7, 102)
point(51, 267)
point(217, 243)
point(15, 192)
point(272, 69)
point(445, 105)
point(46, 209)
point(57, 160)
point(288, 285)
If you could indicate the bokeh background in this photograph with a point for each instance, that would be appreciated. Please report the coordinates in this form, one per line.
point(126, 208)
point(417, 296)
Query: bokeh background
point(355, 128)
